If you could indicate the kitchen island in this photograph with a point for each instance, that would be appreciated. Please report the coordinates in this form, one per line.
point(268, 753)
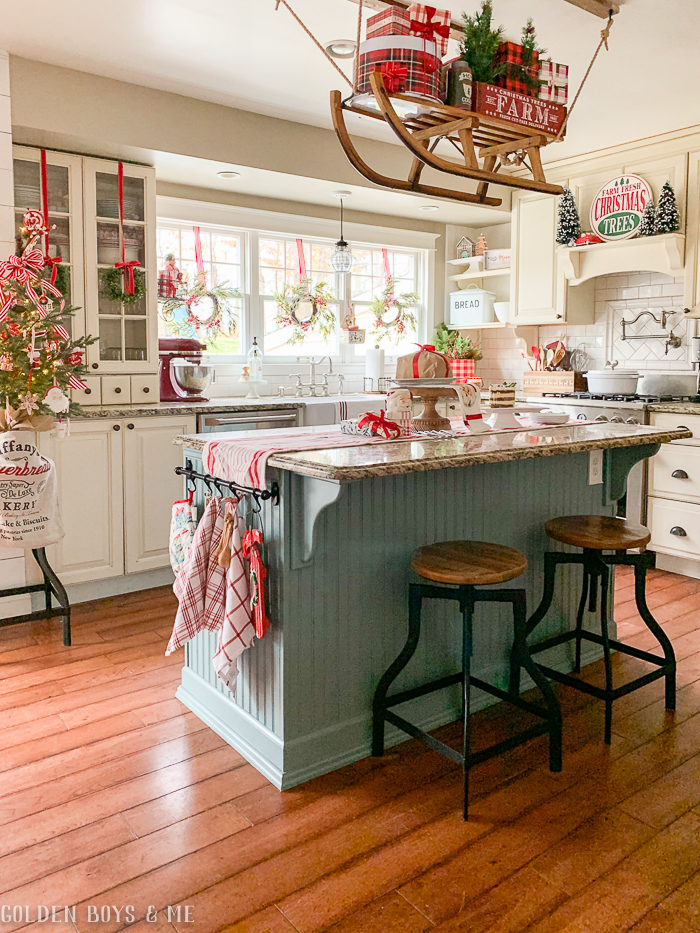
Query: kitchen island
point(338, 553)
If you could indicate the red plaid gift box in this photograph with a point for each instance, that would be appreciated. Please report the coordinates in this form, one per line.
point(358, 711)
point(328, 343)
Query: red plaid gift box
point(427, 22)
point(509, 56)
point(390, 22)
point(554, 82)
point(409, 66)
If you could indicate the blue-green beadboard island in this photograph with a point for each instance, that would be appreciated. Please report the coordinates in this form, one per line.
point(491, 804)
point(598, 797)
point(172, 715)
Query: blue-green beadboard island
point(338, 548)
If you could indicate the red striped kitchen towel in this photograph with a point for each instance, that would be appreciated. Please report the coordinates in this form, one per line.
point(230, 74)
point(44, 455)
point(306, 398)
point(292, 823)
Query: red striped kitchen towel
point(245, 461)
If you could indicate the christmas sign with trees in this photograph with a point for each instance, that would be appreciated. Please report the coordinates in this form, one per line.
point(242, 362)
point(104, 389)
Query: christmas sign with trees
point(39, 361)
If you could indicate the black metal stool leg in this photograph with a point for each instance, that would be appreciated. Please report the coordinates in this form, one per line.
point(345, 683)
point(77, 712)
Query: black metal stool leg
point(524, 659)
point(54, 585)
point(579, 618)
point(467, 619)
point(550, 569)
point(604, 581)
point(415, 597)
point(642, 561)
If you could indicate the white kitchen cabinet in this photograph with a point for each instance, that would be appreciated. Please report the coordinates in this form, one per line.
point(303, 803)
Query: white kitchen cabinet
point(90, 474)
point(539, 292)
point(116, 489)
point(673, 506)
point(150, 487)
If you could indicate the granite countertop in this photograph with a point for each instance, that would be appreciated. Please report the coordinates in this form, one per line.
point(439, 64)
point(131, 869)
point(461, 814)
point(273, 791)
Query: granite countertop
point(214, 405)
point(409, 456)
point(678, 408)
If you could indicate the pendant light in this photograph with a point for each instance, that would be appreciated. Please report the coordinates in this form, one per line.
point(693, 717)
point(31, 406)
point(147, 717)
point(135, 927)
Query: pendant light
point(341, 257)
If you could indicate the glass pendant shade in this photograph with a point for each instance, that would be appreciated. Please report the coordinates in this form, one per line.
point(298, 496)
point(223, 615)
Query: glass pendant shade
point(341, 257)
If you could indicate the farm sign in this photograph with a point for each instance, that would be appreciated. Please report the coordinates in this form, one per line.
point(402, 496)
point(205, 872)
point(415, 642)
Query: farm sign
point(616, 211)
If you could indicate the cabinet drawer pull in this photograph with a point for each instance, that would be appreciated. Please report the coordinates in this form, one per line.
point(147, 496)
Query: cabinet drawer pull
point(679, 532)
point(130, 427)
point(682, 427)
point(117, 390)
point(679, 474)
point(116, 427)
point(146, 389)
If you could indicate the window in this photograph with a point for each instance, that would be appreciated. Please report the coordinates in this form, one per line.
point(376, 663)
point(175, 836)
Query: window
point(278, 263)
point(367, 281)
point(222, 255)
point(259, 264)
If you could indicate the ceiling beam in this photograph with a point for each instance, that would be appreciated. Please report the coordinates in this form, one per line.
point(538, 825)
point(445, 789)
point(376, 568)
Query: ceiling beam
point(597, 7)
point(600, 8)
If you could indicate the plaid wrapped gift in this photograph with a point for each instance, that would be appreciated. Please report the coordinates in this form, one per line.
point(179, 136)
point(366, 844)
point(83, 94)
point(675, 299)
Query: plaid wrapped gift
point(554, 82)
point(426, 22)
point(408, 65)
point(509, 57)
point(403, 419)
point(390, 22)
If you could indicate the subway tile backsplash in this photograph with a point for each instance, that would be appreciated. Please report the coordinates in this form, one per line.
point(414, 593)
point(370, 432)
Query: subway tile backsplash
point(617, 297)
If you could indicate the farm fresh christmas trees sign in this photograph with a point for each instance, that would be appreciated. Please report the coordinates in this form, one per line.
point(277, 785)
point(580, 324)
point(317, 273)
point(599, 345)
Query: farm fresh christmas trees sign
point(617, 209)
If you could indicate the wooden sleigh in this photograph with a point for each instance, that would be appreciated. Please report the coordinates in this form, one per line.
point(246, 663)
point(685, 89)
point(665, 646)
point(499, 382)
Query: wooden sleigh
point(474, 135)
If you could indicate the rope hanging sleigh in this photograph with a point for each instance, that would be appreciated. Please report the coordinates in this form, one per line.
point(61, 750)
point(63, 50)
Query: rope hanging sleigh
point(484, 143)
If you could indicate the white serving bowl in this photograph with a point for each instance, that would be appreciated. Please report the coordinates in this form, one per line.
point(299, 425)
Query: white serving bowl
point(612, 381)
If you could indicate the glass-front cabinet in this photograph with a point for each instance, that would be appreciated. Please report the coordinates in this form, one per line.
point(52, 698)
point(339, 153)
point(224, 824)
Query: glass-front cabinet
point(64, 186)
point(83, 198)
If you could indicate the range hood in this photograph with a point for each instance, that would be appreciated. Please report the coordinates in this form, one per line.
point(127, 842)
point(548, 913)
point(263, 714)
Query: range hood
point(664, 253)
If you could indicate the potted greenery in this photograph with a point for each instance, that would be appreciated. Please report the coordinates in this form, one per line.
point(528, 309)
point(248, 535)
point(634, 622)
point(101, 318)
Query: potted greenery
point(460, 351)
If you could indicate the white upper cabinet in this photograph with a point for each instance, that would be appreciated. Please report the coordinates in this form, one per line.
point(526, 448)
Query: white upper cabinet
point(64, 185)
point(83, 197)
point(127, 330)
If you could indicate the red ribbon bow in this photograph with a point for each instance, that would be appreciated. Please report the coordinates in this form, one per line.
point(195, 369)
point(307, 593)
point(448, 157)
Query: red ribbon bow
point(428, 29)
point(51, 262)
point(22, 268)
point(380, 425)
point(128, 268)
point(251, 550)
point(395, 76)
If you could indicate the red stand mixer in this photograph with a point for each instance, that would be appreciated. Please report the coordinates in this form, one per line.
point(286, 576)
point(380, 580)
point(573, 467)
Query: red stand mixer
point(182, 374)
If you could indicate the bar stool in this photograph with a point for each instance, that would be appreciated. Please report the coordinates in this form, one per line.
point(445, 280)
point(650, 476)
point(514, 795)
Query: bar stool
point(466, 565)
point(596, 534)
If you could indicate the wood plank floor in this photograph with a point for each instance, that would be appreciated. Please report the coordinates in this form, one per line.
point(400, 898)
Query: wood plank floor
point(115, 798)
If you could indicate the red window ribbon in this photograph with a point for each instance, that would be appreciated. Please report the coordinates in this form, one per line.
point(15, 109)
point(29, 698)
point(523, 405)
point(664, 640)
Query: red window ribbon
point(385, 262)
point(198, 258)
point(301, 259)
point(126, 267)
point(45, 201)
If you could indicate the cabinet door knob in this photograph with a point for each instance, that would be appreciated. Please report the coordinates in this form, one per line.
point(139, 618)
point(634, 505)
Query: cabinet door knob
point(117, 390)
point(130, 427)
point(95, 365)
point(679, 532)
point(146, 389)
point(679, 474)
point(88, 391)
point(559, 317)
point(116, 427)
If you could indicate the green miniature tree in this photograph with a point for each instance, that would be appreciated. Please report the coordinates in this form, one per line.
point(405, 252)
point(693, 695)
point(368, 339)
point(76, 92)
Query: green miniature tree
point(667, 217)
point(480, 42)
point(569, 223)
point(647, 227)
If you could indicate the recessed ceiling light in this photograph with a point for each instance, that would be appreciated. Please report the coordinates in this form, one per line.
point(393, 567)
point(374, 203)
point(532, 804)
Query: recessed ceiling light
point(341, 48)
point(429, 207)
point(228, 174)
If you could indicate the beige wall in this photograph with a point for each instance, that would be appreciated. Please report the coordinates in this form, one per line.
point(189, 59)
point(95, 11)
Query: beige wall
point(7, 220)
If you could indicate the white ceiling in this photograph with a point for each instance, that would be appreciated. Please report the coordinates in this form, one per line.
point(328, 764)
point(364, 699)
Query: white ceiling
point(243, 53)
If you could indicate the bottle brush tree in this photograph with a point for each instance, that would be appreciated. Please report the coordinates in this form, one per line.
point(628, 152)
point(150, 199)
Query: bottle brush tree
point(667, 217)
point(569, 222)
point(647, 227)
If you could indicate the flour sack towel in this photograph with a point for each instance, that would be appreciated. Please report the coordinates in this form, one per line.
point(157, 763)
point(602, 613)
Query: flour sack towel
point(29, 512)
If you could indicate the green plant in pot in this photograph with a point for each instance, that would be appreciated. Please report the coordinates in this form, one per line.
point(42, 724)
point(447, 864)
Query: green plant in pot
point(460, 351)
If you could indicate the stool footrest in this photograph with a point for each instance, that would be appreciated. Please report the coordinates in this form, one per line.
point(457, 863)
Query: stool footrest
point(414, 692)
point(598, 640)
point(35, 616)
point(473, 758)
point(451, 680)
point(600, 693)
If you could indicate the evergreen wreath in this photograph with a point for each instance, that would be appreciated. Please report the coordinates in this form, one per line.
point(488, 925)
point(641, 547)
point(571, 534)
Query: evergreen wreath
point(387, 301)
point(322, 320)
point(222, 317)
point(112, 281)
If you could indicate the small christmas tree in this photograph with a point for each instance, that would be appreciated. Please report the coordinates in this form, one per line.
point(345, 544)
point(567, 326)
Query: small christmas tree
point(569, 224)
point(480, 42)
point(667, 217)
point(647, 227)
point(481, 246)
point(38, 359)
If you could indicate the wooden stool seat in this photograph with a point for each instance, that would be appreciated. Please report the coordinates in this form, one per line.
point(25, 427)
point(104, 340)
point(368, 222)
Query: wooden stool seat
point(598, 532)
point(468, 563)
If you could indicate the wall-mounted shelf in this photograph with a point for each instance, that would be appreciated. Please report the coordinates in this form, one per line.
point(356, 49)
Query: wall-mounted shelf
point(470, 276)
point(664, 253)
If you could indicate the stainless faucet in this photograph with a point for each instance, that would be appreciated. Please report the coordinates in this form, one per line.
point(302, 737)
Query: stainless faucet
point(316, 389)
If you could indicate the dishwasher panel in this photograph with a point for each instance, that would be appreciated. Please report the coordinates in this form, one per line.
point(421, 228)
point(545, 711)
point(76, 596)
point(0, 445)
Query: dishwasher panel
point(264, 419)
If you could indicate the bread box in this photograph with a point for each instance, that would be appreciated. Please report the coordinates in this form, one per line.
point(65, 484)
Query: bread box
point(470, 306)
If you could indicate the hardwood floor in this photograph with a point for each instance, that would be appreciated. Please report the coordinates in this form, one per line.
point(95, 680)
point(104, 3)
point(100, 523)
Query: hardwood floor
point(113, 795)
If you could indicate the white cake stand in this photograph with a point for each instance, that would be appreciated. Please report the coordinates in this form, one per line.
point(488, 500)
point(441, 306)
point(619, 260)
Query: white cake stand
point(504, 418)
point(252, 386)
